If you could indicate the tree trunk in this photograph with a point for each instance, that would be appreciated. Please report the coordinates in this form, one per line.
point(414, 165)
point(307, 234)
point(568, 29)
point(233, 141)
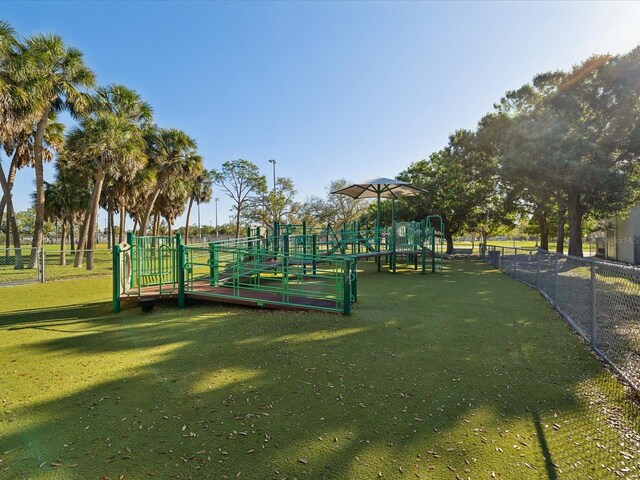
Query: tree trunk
point(63, 239)
point(91, 241)
point(112, 223)
point(156, 225)
point(168, 224)
point(12, 226)
point(123, 220)
point(575, 211)
point(38, 161)
point(135, 224)
point(2, 205)
point(108, 230)
point(88, 231)
point(11, 177)
point(112, 226)
point(144, 222)
point(543, 227)
point(72, 235)
point(186, 227)
point(484, 235)
point(237, 223)
point(562, 213)
point(448, 235)
point(82, 235)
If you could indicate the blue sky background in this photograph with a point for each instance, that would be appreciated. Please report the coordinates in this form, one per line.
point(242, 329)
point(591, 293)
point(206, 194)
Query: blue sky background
point(329, 89)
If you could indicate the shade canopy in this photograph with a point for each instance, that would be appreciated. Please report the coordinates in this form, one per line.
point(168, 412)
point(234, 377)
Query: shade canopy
point(380, 188)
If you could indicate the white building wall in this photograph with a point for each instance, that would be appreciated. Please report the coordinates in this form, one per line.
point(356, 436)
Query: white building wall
point(626, 235)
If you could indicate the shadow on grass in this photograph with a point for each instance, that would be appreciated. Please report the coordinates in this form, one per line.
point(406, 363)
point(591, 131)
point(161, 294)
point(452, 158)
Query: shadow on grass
point(424, 378)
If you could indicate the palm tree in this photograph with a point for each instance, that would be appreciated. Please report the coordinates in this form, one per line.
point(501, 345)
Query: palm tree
point(50, 77)
point(20, 147)
point(201, 189)
point(8, 45)
point(171, 201)
point(64, 198)
point(101, 144)
point(127, 104)
point(172, 153)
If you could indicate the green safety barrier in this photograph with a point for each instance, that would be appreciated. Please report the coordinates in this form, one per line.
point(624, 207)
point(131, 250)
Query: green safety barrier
point(290, 265)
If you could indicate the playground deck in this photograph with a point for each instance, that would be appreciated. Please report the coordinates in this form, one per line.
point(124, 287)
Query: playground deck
point(237, 296)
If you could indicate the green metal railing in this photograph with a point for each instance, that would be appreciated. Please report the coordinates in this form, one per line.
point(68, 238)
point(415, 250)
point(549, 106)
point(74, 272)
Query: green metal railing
point(304, 267)
point(145, 262)
point(257, 272)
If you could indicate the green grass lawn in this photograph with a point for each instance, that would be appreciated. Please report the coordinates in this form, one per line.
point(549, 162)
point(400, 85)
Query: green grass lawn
point(464, 374)
point(588, 248)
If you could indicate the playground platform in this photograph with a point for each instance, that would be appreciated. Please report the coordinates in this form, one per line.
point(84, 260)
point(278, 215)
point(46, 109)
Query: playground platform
point(296, 270)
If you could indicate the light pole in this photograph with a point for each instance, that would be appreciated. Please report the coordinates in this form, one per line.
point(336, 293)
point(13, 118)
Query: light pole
point(216, 202)
point(273, 162)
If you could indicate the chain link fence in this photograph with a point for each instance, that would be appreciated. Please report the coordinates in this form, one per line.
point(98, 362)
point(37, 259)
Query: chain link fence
point(601, 301)
point(20, 266)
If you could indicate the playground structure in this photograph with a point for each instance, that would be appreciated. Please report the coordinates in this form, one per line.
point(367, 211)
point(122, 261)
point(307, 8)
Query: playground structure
point(291, 266)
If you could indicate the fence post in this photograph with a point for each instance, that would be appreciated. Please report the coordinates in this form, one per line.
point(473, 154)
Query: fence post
point(538, 270)
point(515, 262)
point(42, 258)
point(594, 338)
point(115, 304)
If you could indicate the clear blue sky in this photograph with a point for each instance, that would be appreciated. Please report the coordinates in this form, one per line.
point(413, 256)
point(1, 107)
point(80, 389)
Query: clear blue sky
point(329, 89)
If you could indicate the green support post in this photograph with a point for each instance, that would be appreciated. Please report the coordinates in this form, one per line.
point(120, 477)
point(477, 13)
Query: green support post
point(181, 295)
point(304, 247)
point(414, 244)
point(116, 279)
point(346, 299)
point(314, 247)
point(175, 265)
point(423, 234)
point(433, 250)
point(130, 240)
point(285, 268)
point(354, 276)
point(214, 270)
point(394, 240)
point(276, 234)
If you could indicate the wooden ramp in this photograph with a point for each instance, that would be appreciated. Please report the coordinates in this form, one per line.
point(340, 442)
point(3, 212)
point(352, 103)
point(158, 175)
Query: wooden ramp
point(201, 290)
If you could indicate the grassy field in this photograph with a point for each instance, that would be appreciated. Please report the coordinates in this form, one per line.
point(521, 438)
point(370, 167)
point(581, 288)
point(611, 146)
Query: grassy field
point(588, 248)
point(464, 374)
point(53, 270)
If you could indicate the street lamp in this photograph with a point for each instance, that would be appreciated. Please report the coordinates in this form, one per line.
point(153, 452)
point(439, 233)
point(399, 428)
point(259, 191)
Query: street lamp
point(273, 162)
point(216, 202)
